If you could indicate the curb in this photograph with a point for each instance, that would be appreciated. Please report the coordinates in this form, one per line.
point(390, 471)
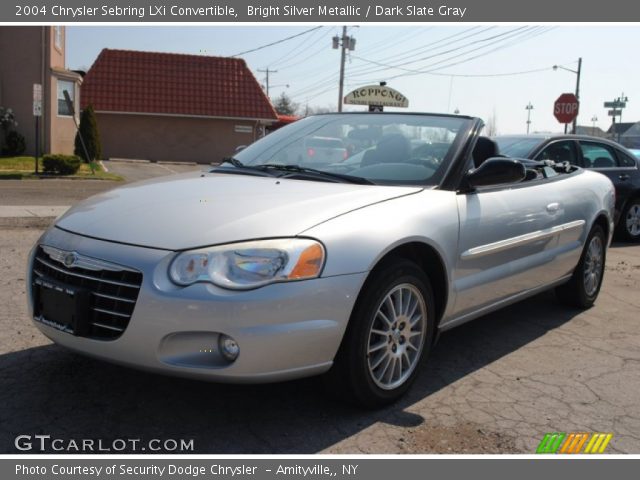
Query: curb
point(26, 222)
point(128, 160)
point(162, 162)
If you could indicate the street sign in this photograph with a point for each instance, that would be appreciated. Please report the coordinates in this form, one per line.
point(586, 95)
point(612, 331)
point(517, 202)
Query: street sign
point(37, 100)
point(615, 104)
point(615, 113)
point(566, 108)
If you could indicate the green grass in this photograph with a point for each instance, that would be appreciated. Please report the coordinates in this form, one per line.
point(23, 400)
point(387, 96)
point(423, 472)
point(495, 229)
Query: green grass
point(16, 168)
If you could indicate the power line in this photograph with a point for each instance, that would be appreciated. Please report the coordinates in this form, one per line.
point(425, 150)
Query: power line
point(496, 38)
point(526, 36)
point(331, 78)
point(439, 43)
point(529, 33)
point(369, 69)
point(366, 69)
point(429, 69)
point(288, 56)
point(276, 42)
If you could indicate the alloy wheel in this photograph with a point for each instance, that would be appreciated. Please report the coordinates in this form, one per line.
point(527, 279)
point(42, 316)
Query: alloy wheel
point(396, 337)
point(593, 265)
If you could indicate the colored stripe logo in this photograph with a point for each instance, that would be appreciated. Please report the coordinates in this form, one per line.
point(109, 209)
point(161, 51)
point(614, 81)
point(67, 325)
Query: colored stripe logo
point(560, 442)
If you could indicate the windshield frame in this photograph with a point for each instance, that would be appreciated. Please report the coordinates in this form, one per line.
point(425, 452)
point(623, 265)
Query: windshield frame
point(267, 147)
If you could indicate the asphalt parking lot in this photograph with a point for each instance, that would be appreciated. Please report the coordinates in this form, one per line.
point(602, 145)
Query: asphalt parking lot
point(495, 385)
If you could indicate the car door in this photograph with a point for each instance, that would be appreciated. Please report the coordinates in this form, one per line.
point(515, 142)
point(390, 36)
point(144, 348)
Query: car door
point(514, 238)
point(604, 159)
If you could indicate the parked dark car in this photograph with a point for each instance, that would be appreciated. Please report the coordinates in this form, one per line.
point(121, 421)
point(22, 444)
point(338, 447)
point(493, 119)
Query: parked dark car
point(598, 154)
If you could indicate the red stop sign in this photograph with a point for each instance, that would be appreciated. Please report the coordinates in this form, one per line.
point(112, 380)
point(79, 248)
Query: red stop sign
point(566, 107)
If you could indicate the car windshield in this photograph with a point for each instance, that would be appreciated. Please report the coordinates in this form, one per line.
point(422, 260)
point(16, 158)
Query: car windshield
point(380, 148)
point(517, 147)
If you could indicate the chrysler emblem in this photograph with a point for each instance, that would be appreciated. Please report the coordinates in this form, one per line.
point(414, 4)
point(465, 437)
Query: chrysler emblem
point(70, 259)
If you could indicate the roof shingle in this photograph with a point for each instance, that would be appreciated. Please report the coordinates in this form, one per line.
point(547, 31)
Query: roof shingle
point(174, 84)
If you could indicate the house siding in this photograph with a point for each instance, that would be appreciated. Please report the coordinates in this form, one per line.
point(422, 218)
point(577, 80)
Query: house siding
point(170, 138)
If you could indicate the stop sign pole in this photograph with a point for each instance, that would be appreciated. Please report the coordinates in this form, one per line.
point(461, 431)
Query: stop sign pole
point(566, 108)
point(577, 72)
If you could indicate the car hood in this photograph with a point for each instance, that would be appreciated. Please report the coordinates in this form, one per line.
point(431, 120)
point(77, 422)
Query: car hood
point(193, 210)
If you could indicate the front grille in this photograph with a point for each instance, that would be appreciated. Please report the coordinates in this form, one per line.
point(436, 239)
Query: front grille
point(113, 291)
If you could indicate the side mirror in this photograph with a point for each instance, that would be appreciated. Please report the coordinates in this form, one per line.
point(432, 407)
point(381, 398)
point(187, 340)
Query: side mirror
point(496, 171)
point(239, 148)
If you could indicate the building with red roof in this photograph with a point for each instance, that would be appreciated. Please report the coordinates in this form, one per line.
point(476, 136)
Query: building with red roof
point(167, 106)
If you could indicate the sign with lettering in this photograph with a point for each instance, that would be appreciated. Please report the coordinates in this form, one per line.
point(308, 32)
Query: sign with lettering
point(376, 95)
point(37, 100)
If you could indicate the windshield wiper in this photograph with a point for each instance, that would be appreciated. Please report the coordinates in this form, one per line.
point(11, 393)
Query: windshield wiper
point(233, 161)
point(241, 168)
point(312, 172)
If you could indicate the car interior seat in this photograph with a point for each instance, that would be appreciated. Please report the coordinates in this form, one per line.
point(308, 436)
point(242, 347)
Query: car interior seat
point(558, 154)
point(485, 148)
point(603, 162)
point(391, 148)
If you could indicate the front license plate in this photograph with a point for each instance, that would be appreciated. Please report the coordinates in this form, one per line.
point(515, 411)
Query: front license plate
point(59, 306)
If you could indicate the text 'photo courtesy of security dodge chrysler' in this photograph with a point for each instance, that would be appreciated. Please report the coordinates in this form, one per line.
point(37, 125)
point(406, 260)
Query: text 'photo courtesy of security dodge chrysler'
point(277, 265)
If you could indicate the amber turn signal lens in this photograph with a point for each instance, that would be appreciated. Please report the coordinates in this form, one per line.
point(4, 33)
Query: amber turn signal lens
point(309, 263)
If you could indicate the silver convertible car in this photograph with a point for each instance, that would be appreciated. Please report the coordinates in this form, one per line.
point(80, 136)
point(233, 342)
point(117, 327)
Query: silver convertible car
point(274, 266)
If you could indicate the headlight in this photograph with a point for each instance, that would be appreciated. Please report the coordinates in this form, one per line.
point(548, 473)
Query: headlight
point(248, 265)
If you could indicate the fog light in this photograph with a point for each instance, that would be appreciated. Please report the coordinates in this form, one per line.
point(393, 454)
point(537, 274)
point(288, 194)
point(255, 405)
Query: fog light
point(228, 347)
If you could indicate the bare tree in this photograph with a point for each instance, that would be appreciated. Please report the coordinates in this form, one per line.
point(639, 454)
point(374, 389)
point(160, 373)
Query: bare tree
point(313, 110)
point(491, 126)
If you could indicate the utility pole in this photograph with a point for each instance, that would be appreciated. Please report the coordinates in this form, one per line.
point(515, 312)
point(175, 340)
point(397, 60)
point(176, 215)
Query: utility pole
point(622, 100)
point(616, 111)
point(528, 108)
point(594, 119)
point(575, 120)
point(344, 43)
point(267, 71)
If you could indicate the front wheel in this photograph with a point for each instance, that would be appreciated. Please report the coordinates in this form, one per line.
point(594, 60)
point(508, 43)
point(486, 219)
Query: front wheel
point(390, 332)
point(582, 289)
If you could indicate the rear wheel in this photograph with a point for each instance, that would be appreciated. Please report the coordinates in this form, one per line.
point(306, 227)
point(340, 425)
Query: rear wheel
point(583, 288)
point(629, 224)
point(390, 332)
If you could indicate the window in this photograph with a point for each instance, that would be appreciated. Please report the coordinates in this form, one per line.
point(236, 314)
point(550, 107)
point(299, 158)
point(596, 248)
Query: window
point(516, 147)
point(63, 108)
point(625, 160)
point(563, 151)
point(57, 37)
point(597, 155)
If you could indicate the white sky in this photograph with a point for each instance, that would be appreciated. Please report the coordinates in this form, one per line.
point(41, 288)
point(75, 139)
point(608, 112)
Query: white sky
point(310, 66)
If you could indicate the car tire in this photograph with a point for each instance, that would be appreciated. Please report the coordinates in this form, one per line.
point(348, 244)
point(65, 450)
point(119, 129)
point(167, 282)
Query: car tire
point(582, 289)
point(390, 332)
point(629, 223)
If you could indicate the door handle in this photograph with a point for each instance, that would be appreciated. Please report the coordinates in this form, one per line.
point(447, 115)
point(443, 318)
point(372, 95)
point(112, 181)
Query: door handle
point(553, 207)
point(623, 176)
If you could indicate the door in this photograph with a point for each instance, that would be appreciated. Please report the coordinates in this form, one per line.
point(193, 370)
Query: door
point(619, 168)
point(513, 239)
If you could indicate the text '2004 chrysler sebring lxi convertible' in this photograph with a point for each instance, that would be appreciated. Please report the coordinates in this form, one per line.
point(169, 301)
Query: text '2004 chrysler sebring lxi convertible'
point(278, 265)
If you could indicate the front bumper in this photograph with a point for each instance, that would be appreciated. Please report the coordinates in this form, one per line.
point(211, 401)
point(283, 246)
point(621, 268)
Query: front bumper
point(284, 331)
